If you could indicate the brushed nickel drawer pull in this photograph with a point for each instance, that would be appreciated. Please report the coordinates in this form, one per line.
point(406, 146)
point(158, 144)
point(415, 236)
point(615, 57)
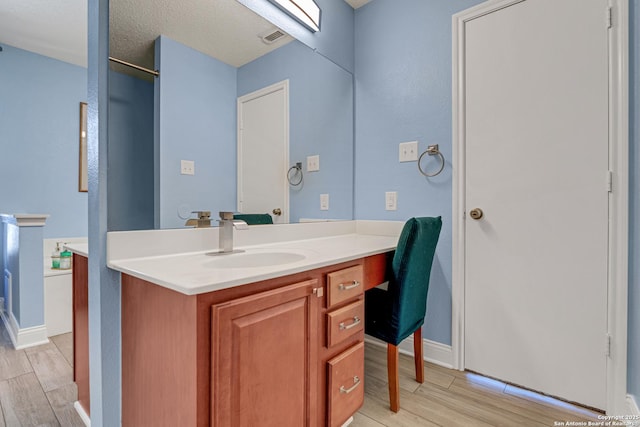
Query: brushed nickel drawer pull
point(356, 383)
point(344, 287)
point(356, 322)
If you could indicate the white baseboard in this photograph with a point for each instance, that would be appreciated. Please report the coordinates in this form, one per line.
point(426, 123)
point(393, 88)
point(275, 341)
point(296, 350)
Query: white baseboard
point(434, 352)
point(83, 415)
point(632, 406)
point(25, 337)
point(348, 422)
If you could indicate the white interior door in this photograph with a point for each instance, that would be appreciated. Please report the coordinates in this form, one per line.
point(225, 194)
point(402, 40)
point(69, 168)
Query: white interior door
point(263, 152)
point(536, 150)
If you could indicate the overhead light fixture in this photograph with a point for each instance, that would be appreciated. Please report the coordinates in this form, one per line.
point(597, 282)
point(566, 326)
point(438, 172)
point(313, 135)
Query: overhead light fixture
point(306, 12)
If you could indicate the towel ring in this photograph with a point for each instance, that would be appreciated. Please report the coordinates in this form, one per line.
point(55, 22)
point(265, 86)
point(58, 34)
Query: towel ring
point(432, 150)
point(298, 171)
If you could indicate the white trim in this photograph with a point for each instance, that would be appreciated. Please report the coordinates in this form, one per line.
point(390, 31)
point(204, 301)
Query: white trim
point(284, 86)
point(618, 202)
point(618, 206)
point(434, 352)
point(348, 422)
point(83, 415)
point(632, 406)
point(25, 220)
point(26, 337)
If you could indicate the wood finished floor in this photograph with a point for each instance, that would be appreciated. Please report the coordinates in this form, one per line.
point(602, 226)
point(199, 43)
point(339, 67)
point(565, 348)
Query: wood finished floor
point(36, 384)
point(451, 398)
point(37, 389)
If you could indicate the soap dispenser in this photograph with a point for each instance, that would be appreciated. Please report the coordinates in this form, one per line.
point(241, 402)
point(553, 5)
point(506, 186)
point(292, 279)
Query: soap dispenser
point(55, 257)
point(65, 259)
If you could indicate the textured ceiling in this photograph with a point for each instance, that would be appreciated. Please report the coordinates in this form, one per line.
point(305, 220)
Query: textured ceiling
point(223, 29)
point(357, 3)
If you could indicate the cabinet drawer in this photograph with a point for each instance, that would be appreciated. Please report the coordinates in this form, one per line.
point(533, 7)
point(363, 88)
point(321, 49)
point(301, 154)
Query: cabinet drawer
point(346, 384)
point(344, 322)
point(344, 285)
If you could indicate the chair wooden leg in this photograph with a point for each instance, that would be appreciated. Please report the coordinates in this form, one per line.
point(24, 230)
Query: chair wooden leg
point(418, 356)
point(392, 373)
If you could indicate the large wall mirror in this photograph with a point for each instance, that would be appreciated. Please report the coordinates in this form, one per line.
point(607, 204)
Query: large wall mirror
point(225, 75)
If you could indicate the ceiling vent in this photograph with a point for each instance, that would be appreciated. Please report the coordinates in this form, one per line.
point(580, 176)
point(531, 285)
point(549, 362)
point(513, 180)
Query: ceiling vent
point(272, 36)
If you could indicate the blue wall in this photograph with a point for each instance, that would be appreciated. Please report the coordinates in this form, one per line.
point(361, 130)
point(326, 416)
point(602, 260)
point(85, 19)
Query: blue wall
point(195, 119)
point(633, 373)
point(334, 40)
point(39, 125)
point(130, 189)
point(403, 93)
point(321, 122)
point(24, 261)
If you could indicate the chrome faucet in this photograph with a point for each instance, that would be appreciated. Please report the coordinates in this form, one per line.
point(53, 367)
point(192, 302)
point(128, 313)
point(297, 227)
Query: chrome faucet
point(227, 224)
point(204, 220)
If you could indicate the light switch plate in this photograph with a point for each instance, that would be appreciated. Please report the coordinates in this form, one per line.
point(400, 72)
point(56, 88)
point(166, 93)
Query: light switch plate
point(313, 163)
point(187, 167)
point(324, 202)
point(408, 151)
point(390, 201)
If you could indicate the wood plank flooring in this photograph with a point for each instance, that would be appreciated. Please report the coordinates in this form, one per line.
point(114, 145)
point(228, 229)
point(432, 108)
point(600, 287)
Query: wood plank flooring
point(36, 384)
point(37, 389)
point(451, 398)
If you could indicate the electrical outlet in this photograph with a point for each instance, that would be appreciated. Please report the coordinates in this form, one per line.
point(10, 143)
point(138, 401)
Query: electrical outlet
point(390, 201)
point(313, 163)
point(324, 202)
point(408, 151)
point(187, 167)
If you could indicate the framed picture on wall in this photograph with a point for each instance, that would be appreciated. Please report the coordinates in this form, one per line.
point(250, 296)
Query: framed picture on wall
point(83, 180)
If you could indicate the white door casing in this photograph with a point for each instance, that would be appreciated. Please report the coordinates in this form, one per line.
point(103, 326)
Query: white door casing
point(523, 74)
point(263, 151)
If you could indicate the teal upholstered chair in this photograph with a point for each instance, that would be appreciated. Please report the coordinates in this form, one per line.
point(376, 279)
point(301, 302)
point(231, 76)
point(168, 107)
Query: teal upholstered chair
point(254, 219)
point(398, 312)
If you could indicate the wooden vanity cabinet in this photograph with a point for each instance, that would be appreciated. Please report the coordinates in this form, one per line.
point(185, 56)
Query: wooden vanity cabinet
point(80, 291)
point(251, 355)
point(343, 352)
point(264, 358)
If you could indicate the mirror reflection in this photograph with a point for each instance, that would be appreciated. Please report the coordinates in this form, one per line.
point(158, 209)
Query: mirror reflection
point(232, 111)
point(224, 53)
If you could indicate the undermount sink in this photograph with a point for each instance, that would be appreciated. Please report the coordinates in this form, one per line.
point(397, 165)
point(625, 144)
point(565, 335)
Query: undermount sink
point(254, 259)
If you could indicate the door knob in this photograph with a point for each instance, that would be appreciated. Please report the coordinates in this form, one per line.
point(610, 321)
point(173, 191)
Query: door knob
point(476, 213)
point(277, 211)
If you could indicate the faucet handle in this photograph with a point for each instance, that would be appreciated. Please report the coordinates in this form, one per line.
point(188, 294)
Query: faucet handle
point(239, 224)
point(226, 215)
point(203, 214)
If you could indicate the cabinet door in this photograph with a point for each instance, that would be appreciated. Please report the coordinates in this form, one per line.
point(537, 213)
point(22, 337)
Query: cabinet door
point(264, 366)
point(345, 388)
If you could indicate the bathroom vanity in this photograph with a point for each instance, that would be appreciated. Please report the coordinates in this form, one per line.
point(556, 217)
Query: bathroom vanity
point(80, 318)
point(271, 337)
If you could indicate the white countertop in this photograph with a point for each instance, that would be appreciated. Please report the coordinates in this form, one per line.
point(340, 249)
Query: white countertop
point(50, 272)
point(195, 272)
point(78, 248)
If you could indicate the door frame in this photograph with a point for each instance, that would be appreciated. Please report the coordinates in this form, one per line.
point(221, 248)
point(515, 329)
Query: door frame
point(618, 260)
point(284, 86)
